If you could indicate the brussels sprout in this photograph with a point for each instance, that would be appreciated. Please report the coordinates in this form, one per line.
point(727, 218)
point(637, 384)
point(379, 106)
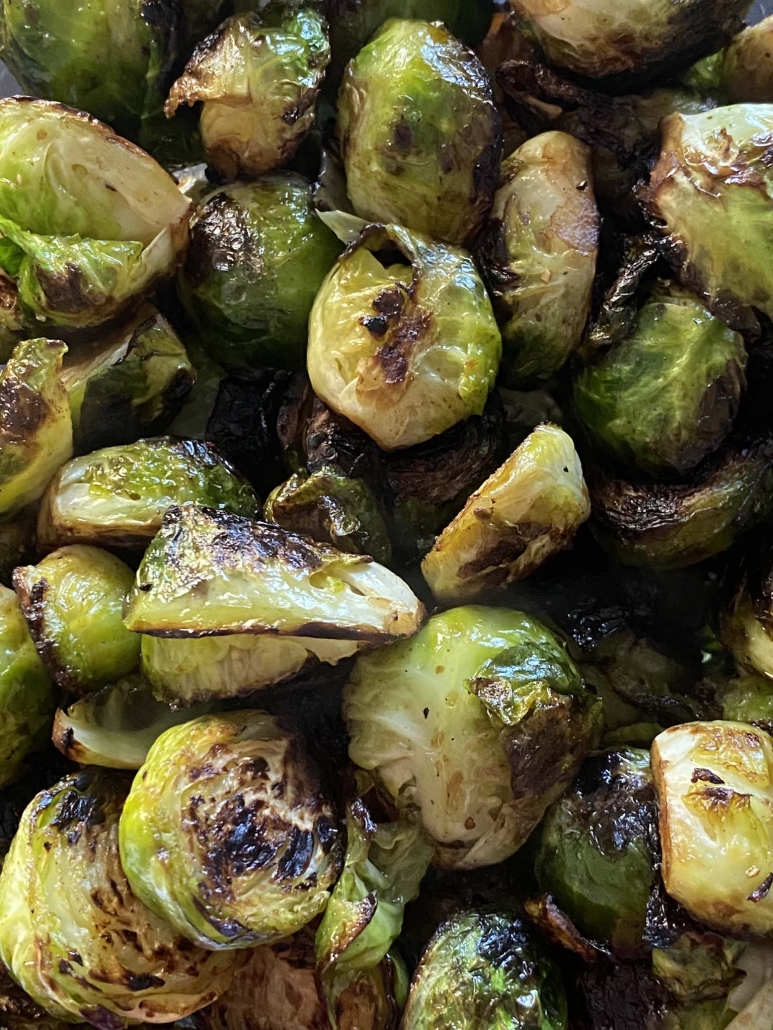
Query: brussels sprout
point(419, 132)
point(73, 934)
point(118, 496)
point(73, 603)
point(252, 309)
point(484, 724)
point(743, 72)
point(240, 807)
point(747, 625)
point(128, 385)
point(749, 698)
point(208, 573)
point(665, 397)
point(191, 422)
point(714, 782)
point(699, 966)
point(404, 350)
point(96, 224)
point(258, 77)
point(525, 512)
point(485, 969)
point(35, 425)
point(538, 253)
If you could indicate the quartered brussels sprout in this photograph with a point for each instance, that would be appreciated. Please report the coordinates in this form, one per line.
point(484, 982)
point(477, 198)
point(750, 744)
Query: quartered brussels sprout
point(714, 782)
point(484, 724)
point(73, 934)
point(130, 384)
point(747, 625)
point(73, 603)
point(665, 397)
point(419, 132)
point(529, 509)
point(118, 496)
point(208, 573)
point(96, 224)
point(27, 696)
point(485, 969)
point(402, 337)
point(257, 78)
point(35, 423)
point(252, 309)
point(538, 253)
point(227, 832)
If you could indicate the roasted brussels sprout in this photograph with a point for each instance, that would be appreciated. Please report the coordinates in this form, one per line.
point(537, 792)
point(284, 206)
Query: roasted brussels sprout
point(714, 782)
point(538, 253)
point(193, 418)
point(73, 934)
point(96, 224)
point(407, 346)
point(118, 496)
point(748, 698)
point(258, 77)
point(419, 133)
point(252, 306)
point(743, 72)
point(665, 397)
point(530, 508)
point(699, 966)
point(747, 625)
point(484, 724)
point(485, 969)
point(241, 808)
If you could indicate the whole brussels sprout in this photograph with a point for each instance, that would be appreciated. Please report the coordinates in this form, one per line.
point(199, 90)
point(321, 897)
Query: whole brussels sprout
point(524, 513)
point(538, 253)
point(118, 496)
point(485, 969)
point(73, 603)
point(747, 625)
point(404, 350)
point(96, 225)
point(254, 840)
point(484, 724)
point(419, 132)
point(73, 934)
point(257, 77)
point(252, 309)
point(665, 397)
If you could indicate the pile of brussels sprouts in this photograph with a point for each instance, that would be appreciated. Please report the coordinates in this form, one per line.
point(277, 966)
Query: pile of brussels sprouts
point(386, 515)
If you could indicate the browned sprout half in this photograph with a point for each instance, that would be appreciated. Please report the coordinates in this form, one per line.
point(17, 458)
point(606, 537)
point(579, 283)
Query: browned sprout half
point(743, 72)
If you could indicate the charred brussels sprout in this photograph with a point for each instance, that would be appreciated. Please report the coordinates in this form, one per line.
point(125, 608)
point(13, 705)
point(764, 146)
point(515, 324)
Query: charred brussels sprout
point(527, 511)
point(665, 397)
point(746, 74)
point(73, 603)
point(119, 495)
point(538, 253)
point(96, 224)
point(485, 969)
point(258, 77)
point(402, 337)
point(252, 309)
point(35, 423)
point(73, 934)
point(714, 782)
point(747, 625)
point(254, 840)
point(420, 135)
point(484, 724)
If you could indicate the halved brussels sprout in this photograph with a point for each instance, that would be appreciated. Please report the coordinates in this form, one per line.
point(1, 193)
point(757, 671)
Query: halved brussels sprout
point(227, 832)
point(714, 782)
point(252, 310)
point(73, 934)
point(118, 496)
point(699, 966)
point(524, 513)
point(96, 222)
point(208, 573)
point(73, 603)
point(742, 73)
point(128, 385)
point(402, 337)
point(666, 396)
point(257, 77)
point(538, 253)
point(485, 969)
point(419, 132)
point(35, 423)
point(484, 724)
